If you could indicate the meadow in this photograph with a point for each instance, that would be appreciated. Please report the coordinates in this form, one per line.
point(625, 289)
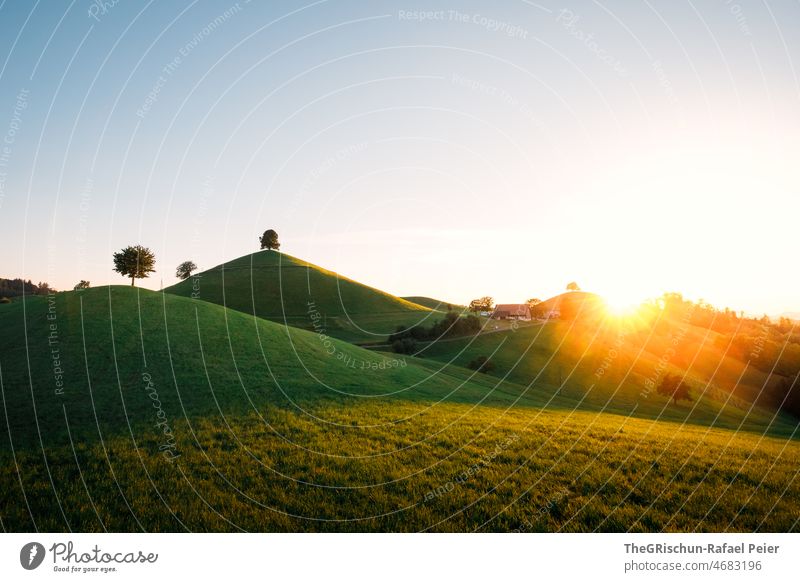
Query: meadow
point(131, 410)
point(443, 468)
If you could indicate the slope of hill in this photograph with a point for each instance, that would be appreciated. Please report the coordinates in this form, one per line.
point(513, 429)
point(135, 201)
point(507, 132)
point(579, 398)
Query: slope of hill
point(617, 367)
point(572, 303)
point(282, 288)
point(95, 353)
point(432, 303)
point(129, 410)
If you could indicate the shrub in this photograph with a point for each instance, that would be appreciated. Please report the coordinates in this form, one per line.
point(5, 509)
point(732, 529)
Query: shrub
point(481, 364)
point(405, 345)
point(452, 325)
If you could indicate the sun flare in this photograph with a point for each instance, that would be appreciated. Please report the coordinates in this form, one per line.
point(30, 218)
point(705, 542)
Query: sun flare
point(621, 304)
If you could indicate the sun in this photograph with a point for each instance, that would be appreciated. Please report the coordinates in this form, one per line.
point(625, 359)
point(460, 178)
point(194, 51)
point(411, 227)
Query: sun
point(622, 304)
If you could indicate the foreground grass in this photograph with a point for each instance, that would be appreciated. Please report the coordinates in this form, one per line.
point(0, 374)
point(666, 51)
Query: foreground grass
point(447, 467)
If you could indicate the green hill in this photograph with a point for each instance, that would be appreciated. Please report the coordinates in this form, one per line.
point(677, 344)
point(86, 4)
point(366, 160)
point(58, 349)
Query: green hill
point(279, 287)
point(202, 358)
point(129, 410)
point(431, 303)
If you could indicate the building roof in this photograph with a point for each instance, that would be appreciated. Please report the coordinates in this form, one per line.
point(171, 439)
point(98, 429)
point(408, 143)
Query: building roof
point(513, 309)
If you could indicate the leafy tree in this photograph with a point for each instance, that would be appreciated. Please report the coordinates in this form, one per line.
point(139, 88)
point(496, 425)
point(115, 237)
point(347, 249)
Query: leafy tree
point(573, 286)
point(482, 304)
point(82, 285)
point(269, 240)
point(136, 262)
point(674, 387)
point(536, 307)
point(184, 270)
point(405, 345)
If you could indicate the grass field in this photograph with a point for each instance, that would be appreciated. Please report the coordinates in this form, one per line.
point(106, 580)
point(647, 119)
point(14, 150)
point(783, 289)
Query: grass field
point(282, 288)
point(452, 467)
point(176, 414)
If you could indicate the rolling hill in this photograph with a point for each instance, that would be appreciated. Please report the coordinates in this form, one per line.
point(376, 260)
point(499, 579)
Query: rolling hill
point(130, 410)
point(279, 287)
point(431, 303)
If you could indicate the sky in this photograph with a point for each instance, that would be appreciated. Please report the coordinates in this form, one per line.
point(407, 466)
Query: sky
point(444, 149)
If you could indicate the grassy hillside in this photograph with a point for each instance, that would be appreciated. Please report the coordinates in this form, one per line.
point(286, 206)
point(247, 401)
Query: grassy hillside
point(282, 288)
point(202, 358)
point(432, 303)
point(616, 367)
point(130, 410)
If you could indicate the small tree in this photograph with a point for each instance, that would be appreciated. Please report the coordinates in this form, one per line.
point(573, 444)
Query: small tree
point(269, 240)
point(184, 270)
point(534, 304)
point(136, 262)
point(674, 387)
point(573, 286)
point(82, 285)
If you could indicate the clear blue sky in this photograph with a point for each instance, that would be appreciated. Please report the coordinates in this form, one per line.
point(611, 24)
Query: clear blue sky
point(450, 149)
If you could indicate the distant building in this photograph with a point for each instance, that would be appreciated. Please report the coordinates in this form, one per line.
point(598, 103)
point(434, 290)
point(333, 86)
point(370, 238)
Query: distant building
point(518, 311)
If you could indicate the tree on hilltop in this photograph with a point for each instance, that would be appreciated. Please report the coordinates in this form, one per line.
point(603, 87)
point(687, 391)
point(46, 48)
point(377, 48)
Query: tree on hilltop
point(269, 240)
point(184, 270)
point(136, 262)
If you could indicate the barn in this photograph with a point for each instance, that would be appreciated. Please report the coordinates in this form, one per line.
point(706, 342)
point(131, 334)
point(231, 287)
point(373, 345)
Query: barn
point(518, 311)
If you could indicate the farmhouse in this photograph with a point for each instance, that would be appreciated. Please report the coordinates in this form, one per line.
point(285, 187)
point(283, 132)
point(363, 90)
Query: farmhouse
point(518, 311)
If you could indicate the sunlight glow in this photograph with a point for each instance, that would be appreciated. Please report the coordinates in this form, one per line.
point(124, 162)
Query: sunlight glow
point(622, 304)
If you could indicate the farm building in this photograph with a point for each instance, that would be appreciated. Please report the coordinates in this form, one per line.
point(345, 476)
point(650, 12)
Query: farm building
point(518, 311)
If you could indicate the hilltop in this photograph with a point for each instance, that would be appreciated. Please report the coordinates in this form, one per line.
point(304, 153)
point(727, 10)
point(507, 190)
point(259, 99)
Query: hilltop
point(282, 288)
